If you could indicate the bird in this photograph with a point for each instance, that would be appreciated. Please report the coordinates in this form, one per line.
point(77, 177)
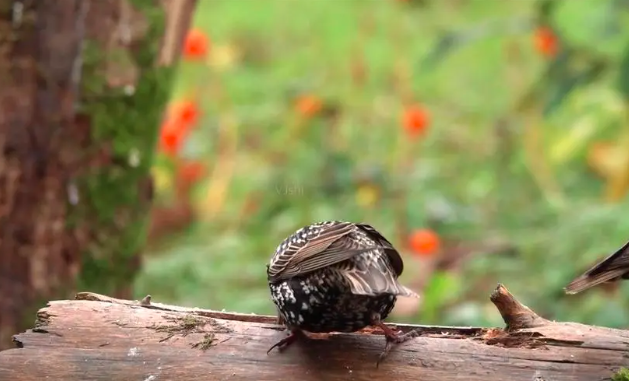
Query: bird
point(611, 269)
point(336, 276)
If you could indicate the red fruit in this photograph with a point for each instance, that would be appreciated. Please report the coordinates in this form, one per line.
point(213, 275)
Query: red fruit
point(170, 142)
point(424, 242)
point(172, 135)
point(196, 45)
point(181, 117)
point(186, 113)
point(415, 120)
point(308, 105)
point(546, 42)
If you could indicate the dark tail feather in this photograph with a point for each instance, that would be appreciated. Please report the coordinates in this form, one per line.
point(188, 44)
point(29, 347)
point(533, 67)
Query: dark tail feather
point(586, 280)
point(612, 268)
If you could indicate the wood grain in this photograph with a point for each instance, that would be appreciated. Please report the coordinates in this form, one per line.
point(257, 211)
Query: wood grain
point(96, 337)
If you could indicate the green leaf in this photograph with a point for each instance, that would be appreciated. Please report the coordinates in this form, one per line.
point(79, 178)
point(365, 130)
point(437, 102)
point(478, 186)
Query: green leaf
point(442, 289)
point(564, 78)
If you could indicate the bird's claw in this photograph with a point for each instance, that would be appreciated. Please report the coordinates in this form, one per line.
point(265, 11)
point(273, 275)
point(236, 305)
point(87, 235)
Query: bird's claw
point(395, 338)
point(282, 344)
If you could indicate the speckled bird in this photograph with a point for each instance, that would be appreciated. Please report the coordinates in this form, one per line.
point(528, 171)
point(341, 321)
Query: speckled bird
point(336, 276)
point(612, 269)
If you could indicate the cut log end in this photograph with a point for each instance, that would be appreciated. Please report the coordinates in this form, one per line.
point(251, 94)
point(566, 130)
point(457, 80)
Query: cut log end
point(515, 314)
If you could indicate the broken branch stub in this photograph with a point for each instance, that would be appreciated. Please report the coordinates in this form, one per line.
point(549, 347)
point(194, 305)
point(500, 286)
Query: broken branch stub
point(515, 314)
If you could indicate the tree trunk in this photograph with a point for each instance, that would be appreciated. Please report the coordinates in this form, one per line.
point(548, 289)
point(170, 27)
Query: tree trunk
point(83, 87)
point(100, 338)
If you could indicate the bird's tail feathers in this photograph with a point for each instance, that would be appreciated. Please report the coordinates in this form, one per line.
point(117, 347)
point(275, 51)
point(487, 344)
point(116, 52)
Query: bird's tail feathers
point(405, 291)
point(612, 268)
point(586, 281)
point(373, 278)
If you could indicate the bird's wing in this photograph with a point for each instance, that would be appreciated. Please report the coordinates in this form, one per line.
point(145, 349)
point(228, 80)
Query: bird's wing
point(373, 274)
point(326, 245)
point(394, 256)
point(611, 268)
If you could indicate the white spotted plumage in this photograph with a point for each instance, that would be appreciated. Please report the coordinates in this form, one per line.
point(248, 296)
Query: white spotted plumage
point(335, 276)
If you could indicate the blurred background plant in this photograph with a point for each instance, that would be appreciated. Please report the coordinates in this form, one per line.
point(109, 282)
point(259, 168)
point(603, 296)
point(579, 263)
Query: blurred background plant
point(488, 140)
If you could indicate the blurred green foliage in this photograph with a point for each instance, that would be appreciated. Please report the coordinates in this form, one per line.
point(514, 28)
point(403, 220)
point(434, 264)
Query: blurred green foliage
point(621, 375)
point(506, 153)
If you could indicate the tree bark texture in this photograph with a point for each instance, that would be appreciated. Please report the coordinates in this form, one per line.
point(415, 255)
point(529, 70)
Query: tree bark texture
point(82, 87)
point(100, 338)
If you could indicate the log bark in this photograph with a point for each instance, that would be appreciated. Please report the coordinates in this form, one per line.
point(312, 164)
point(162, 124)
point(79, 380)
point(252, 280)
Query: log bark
point(83, 88)
point(96, 337)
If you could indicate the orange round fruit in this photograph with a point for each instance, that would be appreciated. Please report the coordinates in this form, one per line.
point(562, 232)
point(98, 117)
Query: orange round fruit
point(424, 242)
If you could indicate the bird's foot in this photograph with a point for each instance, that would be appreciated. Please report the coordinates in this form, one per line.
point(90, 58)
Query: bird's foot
point(393, 338)
point(285, 342)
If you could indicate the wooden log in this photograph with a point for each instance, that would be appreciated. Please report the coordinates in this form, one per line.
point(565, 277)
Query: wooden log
point(96, 337)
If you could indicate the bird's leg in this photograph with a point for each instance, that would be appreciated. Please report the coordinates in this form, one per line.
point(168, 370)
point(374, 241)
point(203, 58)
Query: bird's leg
point(280, 319)
point(392, 337)
point(285, 342)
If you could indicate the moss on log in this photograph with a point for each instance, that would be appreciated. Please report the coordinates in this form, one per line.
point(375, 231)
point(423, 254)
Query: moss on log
point(123, 94)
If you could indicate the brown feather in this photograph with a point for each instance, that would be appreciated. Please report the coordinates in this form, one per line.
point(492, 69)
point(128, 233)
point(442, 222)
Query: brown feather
point(373, 275)
point(331, 246)
point(612, 268)
point(392, 253)
point(584, 282)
